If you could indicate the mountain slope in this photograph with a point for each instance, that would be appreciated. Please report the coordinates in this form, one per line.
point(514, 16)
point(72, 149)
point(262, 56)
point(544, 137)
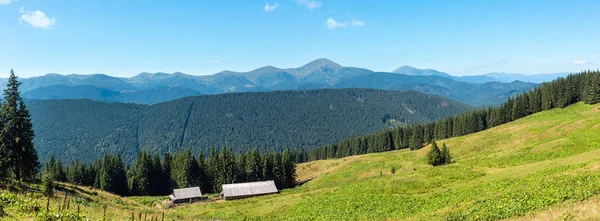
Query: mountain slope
point(473, 94)
point(536, 78)
point(86, 129)
point(545, 160)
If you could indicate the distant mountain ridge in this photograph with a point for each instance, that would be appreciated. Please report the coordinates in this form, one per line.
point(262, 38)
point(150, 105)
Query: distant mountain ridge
point(149, 88)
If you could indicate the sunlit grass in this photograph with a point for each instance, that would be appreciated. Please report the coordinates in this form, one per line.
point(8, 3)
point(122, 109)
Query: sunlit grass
point(529, 165)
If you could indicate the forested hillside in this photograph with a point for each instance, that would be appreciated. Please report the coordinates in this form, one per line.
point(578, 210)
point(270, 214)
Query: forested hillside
point(85, 130)
point(581, 87)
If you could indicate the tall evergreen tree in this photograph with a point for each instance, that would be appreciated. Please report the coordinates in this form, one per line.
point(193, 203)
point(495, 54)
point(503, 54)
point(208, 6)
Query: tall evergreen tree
point(445, 154)
point(416, 139)
point(16, 134)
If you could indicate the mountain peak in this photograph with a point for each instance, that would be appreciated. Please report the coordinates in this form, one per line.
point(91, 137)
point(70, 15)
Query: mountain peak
point(322, 62)
point(405, 69)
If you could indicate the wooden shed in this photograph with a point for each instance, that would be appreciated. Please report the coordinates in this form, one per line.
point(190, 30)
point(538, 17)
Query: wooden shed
point(245, 190)
point(186, 195)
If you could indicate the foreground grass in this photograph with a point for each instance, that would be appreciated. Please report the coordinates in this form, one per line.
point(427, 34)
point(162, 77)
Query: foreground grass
point(81, 203)
point(543, 161)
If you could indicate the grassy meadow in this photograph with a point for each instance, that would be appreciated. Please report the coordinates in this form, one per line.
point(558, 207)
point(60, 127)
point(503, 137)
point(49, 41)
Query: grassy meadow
point(528, 168)
point(542, 167)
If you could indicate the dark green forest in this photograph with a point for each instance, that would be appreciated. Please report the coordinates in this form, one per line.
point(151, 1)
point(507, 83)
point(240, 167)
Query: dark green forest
point(269, 121)
point(152, 174)
point(581, 87)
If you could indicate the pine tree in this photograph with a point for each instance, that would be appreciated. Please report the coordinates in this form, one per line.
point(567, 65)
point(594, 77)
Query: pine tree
point(445, 154)
point(416, 140)
point(47, 184)
point(168, 183)
point(16, 135)
point(288, 170)
point(434, 156)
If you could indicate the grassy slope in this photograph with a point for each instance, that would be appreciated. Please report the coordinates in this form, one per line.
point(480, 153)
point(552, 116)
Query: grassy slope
point(539, 166)
point(91, 204)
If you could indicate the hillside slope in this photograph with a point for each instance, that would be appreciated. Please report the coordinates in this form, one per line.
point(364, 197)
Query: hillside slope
point(85, 130)
point(546, 161)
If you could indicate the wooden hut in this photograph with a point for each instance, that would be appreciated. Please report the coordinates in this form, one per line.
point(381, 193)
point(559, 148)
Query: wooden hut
point(190, 195)
point(245, 190)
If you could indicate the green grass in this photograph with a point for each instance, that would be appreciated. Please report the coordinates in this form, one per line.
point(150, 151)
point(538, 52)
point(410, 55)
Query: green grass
point(530, 165)
point(545, 166)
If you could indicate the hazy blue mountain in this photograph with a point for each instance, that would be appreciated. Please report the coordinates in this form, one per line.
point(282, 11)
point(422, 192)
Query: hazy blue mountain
point(149, 96)
point(536, 78)
point(470, 93)
point(491, 77)
point(480, 79)
point(148, 88)
point(408, 70)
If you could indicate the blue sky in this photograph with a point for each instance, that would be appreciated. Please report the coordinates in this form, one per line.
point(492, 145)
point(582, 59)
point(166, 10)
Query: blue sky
point(124, 38)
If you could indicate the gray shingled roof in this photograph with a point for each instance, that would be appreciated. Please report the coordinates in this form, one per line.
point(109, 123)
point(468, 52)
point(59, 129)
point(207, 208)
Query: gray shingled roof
point(249, 189)
point(186, 193)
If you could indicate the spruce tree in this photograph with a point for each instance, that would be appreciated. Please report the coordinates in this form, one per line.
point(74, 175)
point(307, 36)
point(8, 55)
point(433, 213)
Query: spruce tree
point(434, 156)
point(445, 154)
point(16, 136)
point(416, 139)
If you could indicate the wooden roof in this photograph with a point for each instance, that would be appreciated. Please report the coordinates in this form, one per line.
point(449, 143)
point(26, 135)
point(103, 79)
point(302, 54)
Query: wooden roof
point(249, 189)
point(186, 193)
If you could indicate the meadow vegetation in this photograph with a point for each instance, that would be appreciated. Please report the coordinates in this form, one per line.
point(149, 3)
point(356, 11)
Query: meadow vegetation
point(546, 160)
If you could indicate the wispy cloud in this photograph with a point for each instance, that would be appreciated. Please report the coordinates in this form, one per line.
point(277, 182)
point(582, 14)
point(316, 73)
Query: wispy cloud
point(6, 2)
point(37, 19)
point(310, 4)
point(356, 22)
point(582, 62)
point(214, 61)
point(269, 8)
point(332, 24)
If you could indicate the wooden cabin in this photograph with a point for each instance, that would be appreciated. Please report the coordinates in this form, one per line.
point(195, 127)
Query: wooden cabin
point(188, 195)
point(246, 190)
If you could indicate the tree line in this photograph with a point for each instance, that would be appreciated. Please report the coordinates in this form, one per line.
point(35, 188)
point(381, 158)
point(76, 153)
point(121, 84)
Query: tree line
point(581, 87)
point(151, 174)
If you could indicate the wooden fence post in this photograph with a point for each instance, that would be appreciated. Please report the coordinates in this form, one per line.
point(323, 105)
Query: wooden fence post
point(64, 204)
point(48, 204)
point(132, 216)
point(104, 213)
point(77, 209)
point(163, 216)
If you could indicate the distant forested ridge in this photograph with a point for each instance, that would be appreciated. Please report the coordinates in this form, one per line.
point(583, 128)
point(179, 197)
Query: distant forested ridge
point(273, 121)
point(582, 87)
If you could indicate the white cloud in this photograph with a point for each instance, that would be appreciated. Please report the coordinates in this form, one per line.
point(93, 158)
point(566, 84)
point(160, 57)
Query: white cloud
point(581, 62)
point(310, 4)
point(5, 2)
point(357, 22)
point(332, 24)
point(214, 61)
point(269, 8)
point(36, 19)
